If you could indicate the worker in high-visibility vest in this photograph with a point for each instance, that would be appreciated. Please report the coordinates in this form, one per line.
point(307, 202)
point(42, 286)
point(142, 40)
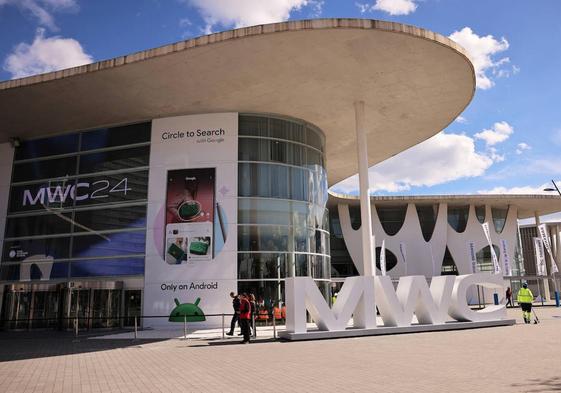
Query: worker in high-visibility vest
point(525, 298)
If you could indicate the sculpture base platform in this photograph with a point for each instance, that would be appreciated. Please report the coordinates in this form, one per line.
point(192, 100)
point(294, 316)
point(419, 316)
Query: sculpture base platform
point(380, 331)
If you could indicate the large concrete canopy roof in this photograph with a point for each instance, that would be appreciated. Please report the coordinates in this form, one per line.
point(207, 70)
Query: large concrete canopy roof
point(413, 82)
point(527, 204)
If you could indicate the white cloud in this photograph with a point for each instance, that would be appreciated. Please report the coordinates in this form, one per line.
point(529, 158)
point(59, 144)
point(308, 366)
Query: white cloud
point(500, 132)
point(41, 9)
point(521, 147)
point(396, 7)
point(461, 120)
point(518, 190)
point(440, 159)
point(494, 155)
point(392, 7)
point(249, 12)
point(45, 54)
point(481, 50)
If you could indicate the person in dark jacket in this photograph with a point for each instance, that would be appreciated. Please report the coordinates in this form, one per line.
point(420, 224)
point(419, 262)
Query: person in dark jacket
point(236, 316)
point(245, 317)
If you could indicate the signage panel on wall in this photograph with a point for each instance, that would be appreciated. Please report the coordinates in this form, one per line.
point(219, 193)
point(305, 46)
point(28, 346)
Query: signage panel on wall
point(191, 237)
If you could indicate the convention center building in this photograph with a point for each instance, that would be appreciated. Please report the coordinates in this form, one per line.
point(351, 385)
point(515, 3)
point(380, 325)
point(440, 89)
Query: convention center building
point(179, 174)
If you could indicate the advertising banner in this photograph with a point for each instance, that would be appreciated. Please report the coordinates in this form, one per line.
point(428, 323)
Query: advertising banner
point(472, 255)
point(383, 258)
point(191, 239)
point(506, 257)
point(403, 252)
point(540, 257)
point(545, 240)
point(496, 266)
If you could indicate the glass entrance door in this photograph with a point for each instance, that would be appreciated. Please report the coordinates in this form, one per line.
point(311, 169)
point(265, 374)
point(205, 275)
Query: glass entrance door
point(80, 307)
point(105, 308)
point(132, 306)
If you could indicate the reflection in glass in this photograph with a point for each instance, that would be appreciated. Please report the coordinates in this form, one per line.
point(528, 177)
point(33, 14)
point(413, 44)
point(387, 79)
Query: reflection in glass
point(392, 218)
point(480, 213)
point(499, 217)
point(427, 219)
point(458, 217)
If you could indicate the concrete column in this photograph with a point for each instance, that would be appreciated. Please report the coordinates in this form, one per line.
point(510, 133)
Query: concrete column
point(364, 189)
point(545, 280)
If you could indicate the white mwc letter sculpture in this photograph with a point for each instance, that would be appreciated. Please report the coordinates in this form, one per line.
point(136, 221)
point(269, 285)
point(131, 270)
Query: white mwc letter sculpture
point(359, 296)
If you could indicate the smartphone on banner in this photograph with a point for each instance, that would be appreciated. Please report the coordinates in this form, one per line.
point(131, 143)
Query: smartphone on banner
point(190, 201)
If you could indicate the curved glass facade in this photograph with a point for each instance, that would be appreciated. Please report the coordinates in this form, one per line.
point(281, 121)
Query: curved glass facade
point(283, 227)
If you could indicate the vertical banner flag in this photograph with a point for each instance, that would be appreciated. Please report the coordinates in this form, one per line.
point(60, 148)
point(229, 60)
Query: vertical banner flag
point(496, 266)
point(383, 258)
point(506, 257)
point(403, 255)
point(540, 257)
point(545, 240)
point(472, 256)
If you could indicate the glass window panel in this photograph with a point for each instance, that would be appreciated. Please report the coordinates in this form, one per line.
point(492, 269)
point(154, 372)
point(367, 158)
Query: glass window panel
point(279, 181)
point(44, 169)
point(253, 125)
point(480, 213)
point(109, 244)
point(457, 217)
point(301, 240)
point(107, 267)
point(115, 160)
point(248, 149)
point(301, 264)
point(499, 218)
point(115, 218)
point(116, 136)
point(263, 178)
point(122, 187)
point(260, 266)
point(37, 271)
point(279, 128)
point(54, 194)
point(298, 184)
point(314, 158)
point(36, 148)
point(278, 152)
point(392, 217)
point(36, 249)
point(266, 238)
point(41, 224)
point(244, 180)
point(314, 139)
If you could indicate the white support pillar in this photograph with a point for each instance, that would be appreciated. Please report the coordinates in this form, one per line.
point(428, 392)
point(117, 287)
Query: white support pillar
point(545, 280)
point(364, 190)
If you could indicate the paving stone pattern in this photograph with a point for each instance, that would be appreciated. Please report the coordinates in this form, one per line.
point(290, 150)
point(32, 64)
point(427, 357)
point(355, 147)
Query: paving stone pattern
point(520, 358)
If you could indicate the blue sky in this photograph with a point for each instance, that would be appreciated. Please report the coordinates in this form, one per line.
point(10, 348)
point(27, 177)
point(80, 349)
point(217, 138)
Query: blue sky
point(507, 140)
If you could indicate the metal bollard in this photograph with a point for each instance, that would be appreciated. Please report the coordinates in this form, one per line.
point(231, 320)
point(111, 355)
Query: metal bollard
point(185, 327)
point(135, 328)
point(253, 325)
point(76, 327)
point(222, 326)
point(274, 327)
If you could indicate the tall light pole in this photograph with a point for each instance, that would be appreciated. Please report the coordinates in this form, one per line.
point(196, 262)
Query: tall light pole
point(557, 303)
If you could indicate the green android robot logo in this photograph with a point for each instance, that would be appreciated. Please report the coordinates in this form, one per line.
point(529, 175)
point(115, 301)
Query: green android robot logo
point(190, 312)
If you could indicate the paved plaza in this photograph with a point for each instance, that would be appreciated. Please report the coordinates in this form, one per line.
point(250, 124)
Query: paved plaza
point(520, 358)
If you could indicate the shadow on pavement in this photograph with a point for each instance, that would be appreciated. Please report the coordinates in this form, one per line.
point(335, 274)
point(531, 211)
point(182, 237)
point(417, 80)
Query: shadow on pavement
point(39, 344)
point(541, 385)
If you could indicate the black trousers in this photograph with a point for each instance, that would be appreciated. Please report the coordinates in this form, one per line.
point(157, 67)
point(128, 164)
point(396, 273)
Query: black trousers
point(235, 318)
point(244, 324)
point(526, 307)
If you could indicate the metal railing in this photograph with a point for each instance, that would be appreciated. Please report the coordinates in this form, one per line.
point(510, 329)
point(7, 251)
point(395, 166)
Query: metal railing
point(135, 321)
